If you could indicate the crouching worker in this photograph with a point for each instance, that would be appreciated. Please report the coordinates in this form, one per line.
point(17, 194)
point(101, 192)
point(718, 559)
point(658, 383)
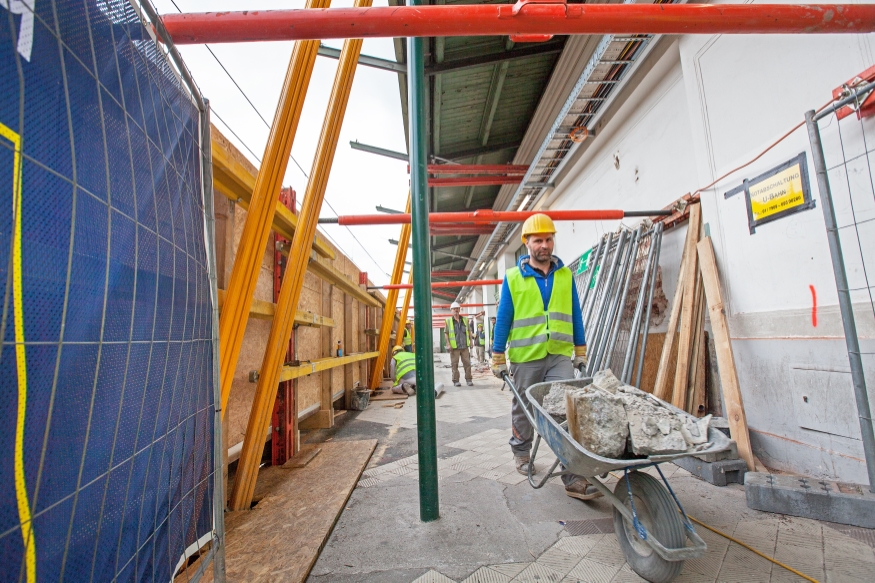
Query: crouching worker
point(540, 326)
point(403, 370)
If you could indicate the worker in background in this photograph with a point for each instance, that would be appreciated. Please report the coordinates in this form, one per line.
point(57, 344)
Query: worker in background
point(456, 332)
point(408, 338)
point(402, 368)
point(540, 326)
point(479, 341)
point(491, 334)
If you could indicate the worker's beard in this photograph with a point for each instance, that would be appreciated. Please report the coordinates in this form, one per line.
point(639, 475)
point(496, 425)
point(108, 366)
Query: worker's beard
point(542, 255)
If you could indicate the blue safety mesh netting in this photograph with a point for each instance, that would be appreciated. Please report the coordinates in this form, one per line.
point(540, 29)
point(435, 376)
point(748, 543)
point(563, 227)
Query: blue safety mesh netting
point(106, 379)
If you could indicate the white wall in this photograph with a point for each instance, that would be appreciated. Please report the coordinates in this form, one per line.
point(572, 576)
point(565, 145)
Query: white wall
point(708, 105)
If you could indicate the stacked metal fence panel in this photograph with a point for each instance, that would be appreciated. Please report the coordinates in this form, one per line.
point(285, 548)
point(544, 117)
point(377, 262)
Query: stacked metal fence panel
point(614, 282)
point(106, 369)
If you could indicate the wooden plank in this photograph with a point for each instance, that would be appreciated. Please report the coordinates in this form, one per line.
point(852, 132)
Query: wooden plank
point(685, 342)
point(700, 408)
point(732, 400)
point(261, 310)
point(695, 388)
point(325, 417)
point(661, 386)
point(347, 347)
point(281, 537)
point(294, 372)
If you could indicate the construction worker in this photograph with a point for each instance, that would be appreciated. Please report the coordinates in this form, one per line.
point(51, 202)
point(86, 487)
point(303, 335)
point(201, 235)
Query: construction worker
point(491, 334)
point(402, 368)
point(456, 332)
point(408, 339)
point(539, 323)
point(479, 340)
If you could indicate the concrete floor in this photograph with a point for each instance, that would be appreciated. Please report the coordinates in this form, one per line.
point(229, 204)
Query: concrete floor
point(495, 528)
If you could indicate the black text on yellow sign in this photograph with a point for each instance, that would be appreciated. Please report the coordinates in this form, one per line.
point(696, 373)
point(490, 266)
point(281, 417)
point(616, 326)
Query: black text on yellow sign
point(782, 191)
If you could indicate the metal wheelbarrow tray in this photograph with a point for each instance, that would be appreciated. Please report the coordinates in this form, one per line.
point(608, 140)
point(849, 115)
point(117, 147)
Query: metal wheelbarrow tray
point(650, 524)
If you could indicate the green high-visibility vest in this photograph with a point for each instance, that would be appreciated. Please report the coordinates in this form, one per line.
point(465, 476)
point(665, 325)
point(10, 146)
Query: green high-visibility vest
point(535, 333)
point(404, 363)
point(407, 339)
point(451, 330)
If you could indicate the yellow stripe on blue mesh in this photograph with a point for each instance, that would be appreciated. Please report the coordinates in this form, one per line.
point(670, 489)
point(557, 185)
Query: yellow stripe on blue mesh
point(24, 515)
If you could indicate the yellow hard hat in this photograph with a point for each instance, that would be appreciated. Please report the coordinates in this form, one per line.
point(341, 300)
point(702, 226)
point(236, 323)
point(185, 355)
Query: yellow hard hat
point(396, 350)
point(539, 223)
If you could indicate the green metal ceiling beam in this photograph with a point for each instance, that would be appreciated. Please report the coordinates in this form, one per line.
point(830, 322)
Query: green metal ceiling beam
point(375, 62)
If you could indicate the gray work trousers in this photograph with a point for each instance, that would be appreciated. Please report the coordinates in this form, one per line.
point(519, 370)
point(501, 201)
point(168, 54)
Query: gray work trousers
point(465, 355)
point(409, 378)
point(480, 357)
point(551, 368)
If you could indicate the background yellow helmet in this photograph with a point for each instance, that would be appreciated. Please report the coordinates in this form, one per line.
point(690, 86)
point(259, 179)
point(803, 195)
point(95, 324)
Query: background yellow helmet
point(539, 223)
point(396, 350)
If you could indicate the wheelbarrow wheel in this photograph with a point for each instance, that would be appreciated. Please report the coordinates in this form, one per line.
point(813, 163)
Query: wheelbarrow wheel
point(658, 513)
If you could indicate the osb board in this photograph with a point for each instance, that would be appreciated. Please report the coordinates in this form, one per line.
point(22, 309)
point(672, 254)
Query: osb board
point(280, 539)
point(242, 391)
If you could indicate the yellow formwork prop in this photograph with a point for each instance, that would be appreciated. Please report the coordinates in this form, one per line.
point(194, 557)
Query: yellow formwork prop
point(262, 206)
point(293, 281)
point(391, 303)
point(405, 307)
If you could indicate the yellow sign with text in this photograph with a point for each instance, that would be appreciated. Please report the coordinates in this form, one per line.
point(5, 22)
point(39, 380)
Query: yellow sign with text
point(777, 193)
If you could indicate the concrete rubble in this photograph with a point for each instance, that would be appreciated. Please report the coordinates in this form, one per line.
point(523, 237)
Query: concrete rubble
point(597, 421)
point(609, 419)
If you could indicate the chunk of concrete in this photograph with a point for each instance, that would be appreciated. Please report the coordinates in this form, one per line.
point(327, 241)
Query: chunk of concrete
point(606, 381)
point(597, 421)
point(554, 401)
point(719, 456)
point(718, 473)
point(817, 499)
point(653, 430)
point(695, 431)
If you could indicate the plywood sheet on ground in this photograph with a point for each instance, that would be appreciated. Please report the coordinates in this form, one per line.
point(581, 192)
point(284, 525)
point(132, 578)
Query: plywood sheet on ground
point(280, 539)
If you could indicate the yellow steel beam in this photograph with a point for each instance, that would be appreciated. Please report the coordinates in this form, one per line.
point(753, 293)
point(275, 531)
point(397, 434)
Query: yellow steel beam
point(320, 364)
point(389, 314)
point(405, 307)
point(293, 281)
point(262, 208)
point(234, 176)
point(262, 310)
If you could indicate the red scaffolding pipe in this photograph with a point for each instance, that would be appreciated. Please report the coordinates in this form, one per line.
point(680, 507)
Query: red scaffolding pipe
point(506, 169)
point(435, 284)
point(475, 180)
point(462, 305)
point(523, 18)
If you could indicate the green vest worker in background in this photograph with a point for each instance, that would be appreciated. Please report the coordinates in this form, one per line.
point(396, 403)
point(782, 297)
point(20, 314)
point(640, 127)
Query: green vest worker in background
point(540, 327)
point(408, 339)
point(456, 331)
point(402, 369)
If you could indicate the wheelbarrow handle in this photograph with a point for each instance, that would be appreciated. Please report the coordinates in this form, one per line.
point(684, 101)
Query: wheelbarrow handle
point(524, 403)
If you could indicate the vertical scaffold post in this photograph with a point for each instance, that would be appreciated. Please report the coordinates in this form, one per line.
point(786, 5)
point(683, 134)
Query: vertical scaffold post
point(427, 439)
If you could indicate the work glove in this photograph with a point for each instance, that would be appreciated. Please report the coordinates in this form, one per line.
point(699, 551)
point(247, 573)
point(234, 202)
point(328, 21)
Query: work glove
point(499, 364)
point(579, 357)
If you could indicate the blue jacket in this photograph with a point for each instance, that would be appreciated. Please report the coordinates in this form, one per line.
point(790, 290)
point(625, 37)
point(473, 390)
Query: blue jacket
point(504, 318)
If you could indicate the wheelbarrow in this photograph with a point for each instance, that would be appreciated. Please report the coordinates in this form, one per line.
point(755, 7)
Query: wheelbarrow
point(649, 521)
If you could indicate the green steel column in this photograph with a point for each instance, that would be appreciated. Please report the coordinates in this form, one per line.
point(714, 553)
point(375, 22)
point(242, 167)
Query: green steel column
point(428, 475)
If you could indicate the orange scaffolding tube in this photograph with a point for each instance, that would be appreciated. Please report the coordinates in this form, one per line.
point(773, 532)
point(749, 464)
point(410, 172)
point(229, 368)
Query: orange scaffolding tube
point(523, 18)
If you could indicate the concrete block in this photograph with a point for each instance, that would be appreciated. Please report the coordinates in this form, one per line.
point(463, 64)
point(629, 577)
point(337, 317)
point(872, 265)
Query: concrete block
point(718, 473)
point(597, 421)
point(653, 430)
point(816, 499)
point(729, 454)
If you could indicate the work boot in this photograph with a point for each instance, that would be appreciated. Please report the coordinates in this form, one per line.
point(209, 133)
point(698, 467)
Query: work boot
point(470, 383)
point(408, 388)
point(457, 384)
point(522, 464)
point(582, 490)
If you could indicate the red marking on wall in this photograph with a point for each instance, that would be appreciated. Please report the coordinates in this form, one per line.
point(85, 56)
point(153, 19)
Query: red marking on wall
point(813, 306)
